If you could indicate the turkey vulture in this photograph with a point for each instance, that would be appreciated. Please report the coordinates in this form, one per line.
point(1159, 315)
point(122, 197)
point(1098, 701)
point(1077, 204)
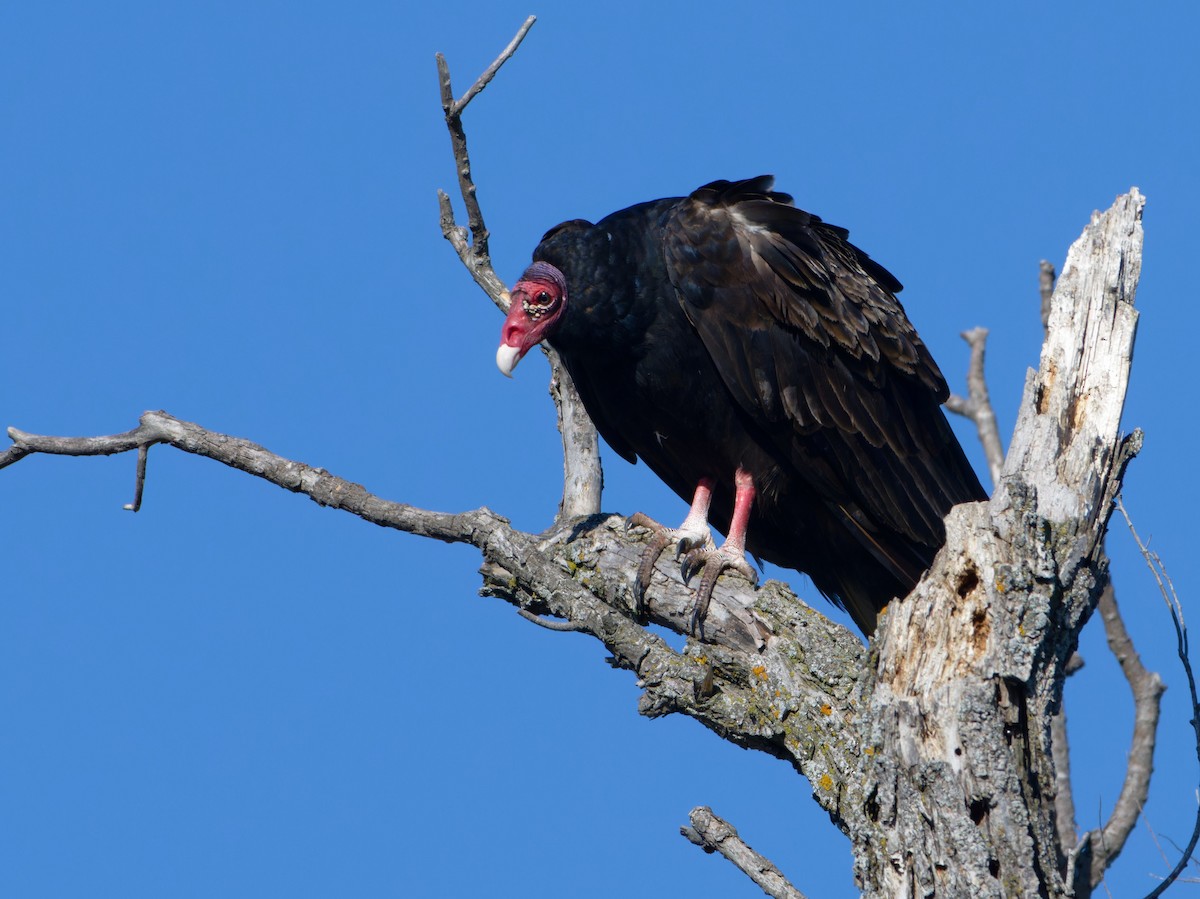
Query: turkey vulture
point(762, 366)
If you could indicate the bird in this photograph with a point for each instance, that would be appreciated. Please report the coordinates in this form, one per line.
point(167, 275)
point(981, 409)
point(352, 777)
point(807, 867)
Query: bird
point(761, 366)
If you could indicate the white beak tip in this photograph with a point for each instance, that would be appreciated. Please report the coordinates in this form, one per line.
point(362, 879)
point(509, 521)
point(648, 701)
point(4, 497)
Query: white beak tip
point(507, 358)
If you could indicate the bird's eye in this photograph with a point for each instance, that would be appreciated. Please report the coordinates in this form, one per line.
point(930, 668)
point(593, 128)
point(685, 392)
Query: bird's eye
point(539, 303)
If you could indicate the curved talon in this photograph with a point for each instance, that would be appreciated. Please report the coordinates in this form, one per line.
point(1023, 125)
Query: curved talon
point(640, 520)
point(712, 564)
point(646, 568)
point(691, 542)
point(694, 543)
point(708, 581)
point(654, 549)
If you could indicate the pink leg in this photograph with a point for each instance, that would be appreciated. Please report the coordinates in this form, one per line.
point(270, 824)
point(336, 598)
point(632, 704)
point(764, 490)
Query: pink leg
point(693, 534)
point(743, 500)
point(732, 554)
point(697, 516)
point(693, 540)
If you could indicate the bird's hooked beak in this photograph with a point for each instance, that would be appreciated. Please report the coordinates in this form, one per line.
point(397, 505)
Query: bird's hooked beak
point(507, 358)
point(516, 338)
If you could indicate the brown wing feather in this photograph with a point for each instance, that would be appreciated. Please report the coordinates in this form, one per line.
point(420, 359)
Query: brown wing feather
point(810, 339)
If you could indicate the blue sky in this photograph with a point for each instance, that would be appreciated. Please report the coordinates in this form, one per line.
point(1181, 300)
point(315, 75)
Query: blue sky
point(228, 211)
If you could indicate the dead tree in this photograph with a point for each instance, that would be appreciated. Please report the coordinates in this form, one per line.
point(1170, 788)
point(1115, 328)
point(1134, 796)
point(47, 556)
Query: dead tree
point(931, 748)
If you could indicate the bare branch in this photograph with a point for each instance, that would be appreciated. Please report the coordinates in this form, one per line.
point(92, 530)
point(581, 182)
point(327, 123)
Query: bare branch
point(1147, 688)
point(140, 478)
point(490, 72)
point(322, 487)
point(977, 405)
point(479, 266)
point(11, 455)
point(458, 140)
point(741, 682)
point(714, 834)
point(24, 443)
point(474, 255)
point(582, 476)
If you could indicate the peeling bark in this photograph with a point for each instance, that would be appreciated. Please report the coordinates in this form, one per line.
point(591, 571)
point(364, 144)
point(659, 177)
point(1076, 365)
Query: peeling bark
point(970, 666)
point(714, 834)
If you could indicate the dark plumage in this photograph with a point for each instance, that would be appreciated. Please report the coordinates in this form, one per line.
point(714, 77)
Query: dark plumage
point(730, 332)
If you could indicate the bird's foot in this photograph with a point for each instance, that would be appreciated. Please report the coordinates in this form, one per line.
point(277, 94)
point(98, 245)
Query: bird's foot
point(686, 539)
point(711, 563)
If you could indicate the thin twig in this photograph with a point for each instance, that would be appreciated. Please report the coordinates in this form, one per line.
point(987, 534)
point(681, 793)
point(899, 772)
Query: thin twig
point(466, 184)
point(1162, 853)
point(480, 268)
point(977, 404)
point(1167, 589)
point(474, 256)
point(140, 483)
point(562, 626)
point(714, 834)
point(1178, 848)
point(490, 72)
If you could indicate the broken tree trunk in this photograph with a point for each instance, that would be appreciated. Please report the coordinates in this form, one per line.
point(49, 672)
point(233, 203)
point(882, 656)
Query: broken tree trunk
point(969, 669)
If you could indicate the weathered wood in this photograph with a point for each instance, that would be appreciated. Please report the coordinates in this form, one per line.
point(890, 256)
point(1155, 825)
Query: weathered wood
point(969, 668)
point(714, 834)
point(583, 479)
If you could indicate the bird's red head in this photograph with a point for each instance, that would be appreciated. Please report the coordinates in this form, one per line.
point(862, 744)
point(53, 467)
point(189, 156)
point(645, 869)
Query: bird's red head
point(538, 302)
